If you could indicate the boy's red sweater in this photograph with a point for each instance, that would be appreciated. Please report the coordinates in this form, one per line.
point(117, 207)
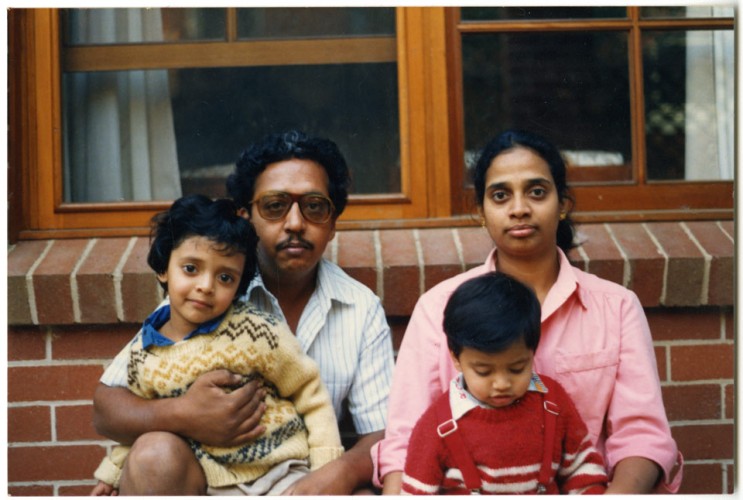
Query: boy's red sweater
point(507, 446)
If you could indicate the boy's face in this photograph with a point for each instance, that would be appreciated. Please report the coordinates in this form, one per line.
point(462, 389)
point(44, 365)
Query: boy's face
point(202, 282)
point(496, 379)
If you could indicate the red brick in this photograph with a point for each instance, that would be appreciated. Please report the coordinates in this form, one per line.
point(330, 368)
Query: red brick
point(646, 263)
point(731, 475)
point(81, 490)
point(26, 343)
point(730, 401)
point(729, 324)
point(685, 264)
point(440, 257)
point(722, 270)
point(702, 478)
point(52, 282)
point(401, 272)
point(693, 402)
point(576, 259)
point(397, 327)
point(20, 259)
point(140, 290)
point(29, 423)
point(52, 383)
point(476, 245)
point(75, 423)
point(728, 226)
point(684, 323)
point(660, 360)
point(605, 259)
point(91, 341)
point(357, 256)
point(702, 362)
point(53, 463)
point(95, 281)
point(31, 491)
point(705, 442)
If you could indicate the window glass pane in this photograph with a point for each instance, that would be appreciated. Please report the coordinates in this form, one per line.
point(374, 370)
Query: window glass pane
point(570, 87)
point(535, 13)
point(141, 135)
point(689, 104)
point(693, 11)
point(122, 26)
point(306, 22)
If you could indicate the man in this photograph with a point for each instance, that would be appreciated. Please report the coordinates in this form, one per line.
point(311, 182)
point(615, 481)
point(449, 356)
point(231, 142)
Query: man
point(292, 188)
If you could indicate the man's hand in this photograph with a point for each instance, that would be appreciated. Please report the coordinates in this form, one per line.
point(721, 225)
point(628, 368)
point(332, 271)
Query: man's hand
point(334, 478)
point(206, 412)
point(343, 476)
point(211, 415)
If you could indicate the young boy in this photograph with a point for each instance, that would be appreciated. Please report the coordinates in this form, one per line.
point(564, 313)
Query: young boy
point(204, 256)
point(500, 428)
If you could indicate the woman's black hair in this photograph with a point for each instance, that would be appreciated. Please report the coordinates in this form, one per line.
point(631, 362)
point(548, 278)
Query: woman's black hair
point(216, 220)
point(510, 139)
point(285, 146)
point(490, 312)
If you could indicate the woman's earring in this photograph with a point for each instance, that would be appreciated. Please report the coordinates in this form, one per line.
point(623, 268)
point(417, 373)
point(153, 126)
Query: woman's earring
point(482, 221)
point(563, 215)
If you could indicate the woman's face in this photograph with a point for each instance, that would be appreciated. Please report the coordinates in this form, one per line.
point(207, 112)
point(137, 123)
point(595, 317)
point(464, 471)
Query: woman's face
point(521, 206)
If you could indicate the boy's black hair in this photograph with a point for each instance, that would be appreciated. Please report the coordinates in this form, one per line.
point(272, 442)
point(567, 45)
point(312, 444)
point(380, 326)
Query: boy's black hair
point(284, 146)
point(216, 220)
point(488, 313)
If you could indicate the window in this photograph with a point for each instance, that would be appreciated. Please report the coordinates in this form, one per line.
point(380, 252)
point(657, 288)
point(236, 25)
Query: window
point(152, 134)
point(115, 112)
point(638, 99)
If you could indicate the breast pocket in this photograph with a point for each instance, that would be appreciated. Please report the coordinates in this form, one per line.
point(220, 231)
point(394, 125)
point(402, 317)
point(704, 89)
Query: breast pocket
point(589, 378)
point(587, 361)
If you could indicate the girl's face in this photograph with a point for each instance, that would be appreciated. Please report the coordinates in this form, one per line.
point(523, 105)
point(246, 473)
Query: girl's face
point(202, 282)
point(496, 379)
point(521, 206)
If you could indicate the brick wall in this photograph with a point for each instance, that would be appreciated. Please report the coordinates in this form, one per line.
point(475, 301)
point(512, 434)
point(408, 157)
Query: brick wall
point(72, 304)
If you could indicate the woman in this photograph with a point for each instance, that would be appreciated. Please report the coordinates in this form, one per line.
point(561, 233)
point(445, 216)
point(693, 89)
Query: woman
point(595, 338)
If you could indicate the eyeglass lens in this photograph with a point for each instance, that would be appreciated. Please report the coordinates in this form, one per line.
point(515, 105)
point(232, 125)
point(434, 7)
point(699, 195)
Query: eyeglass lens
point(315, 208)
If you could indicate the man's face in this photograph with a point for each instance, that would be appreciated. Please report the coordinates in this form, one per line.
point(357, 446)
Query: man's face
point(292, 246)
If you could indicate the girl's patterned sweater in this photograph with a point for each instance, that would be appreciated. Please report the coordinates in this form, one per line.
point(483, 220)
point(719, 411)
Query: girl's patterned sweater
point(506, 444)
point(299, 418)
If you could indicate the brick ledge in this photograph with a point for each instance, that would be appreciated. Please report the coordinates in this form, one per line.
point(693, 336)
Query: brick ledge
point(107, 280)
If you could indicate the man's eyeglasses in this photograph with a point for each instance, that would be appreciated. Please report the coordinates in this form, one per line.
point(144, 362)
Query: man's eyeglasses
point(274, 205)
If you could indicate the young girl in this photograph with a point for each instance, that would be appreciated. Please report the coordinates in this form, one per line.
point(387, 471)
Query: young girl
point(500, 428)
point(204, 256)
point(595, 338)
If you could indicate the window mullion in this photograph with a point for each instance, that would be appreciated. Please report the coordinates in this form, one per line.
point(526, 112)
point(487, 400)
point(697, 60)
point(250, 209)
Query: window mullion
point(231, 23)
point(637, 98)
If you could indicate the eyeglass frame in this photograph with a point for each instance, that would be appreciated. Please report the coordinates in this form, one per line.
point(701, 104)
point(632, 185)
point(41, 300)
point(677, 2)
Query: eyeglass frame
point(295, 198)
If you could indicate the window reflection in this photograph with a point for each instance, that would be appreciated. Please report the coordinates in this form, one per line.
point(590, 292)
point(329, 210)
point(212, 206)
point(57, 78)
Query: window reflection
point(571, 87)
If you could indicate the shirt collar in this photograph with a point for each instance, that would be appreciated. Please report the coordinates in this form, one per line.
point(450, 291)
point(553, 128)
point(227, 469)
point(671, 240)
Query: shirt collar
point(151, 328)
point(327, 288)
point(461, 401)
point(566, 284)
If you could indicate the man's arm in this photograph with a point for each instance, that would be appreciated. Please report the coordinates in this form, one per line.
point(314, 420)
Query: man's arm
point(343, 476)
point(122, 416)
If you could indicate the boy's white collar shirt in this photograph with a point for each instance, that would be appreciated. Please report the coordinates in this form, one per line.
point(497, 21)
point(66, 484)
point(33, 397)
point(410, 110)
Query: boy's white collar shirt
point(461, 401)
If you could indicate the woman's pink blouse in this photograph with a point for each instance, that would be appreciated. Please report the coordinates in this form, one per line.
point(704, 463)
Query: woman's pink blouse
point(595, 341)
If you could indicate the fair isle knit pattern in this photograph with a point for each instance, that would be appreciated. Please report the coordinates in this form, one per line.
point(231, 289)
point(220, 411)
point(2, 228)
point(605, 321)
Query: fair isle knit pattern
point(299, 418)
point(507, 445)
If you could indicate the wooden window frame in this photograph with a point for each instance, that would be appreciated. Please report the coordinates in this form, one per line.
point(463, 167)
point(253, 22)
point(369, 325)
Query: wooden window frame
point(640, 199)
point(428, 52)
point(36, 67)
